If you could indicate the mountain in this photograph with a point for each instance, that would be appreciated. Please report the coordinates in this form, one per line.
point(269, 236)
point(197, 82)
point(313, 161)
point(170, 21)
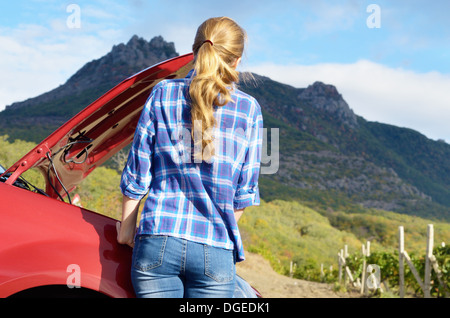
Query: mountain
point(48, 111)
point(330, 157)
point(336, 158)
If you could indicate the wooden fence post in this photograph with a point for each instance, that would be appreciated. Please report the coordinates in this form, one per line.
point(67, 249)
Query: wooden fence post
point(290, 270)
point(413, 270)
point(439, 275)
point(425, 285)
point(341, 263)
point(343, 254)
point(339, 268)
point(363, 274)
point(322, 274)
point(365, 249)
point(429, 254)
point(401, 271)
point(346, 271)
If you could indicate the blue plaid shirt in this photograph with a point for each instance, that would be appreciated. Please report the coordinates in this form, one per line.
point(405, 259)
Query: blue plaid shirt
point(186, 198)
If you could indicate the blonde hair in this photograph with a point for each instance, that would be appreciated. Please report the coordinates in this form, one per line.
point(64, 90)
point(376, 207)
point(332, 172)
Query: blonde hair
point(218, 44)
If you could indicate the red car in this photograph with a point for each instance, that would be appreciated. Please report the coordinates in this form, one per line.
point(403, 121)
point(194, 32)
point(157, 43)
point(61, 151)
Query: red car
point(52, 248)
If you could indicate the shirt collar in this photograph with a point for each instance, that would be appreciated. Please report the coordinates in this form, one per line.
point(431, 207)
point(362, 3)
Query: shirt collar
point(190, 74)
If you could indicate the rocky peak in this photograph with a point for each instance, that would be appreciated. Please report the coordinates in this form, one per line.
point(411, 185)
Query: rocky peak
point(327, 98)
point(126, 59)
point(143, 53)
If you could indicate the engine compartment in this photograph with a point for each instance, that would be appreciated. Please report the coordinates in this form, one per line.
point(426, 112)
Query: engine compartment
point(20, 182)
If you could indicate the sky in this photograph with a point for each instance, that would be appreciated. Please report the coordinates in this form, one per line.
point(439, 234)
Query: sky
point(390, 60)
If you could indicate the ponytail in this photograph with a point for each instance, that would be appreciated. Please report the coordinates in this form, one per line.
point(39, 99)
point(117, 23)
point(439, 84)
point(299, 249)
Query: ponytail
point(219, 43)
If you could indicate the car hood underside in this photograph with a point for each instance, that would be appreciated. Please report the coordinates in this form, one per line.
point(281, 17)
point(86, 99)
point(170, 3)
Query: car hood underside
point(97, 132)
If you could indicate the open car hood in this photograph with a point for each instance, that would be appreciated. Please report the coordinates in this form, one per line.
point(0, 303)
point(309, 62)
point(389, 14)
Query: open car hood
point(97, 132)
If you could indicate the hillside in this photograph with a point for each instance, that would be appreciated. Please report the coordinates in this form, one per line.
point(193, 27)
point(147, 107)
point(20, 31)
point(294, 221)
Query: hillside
point(335, 158)
point(331, 159)
point(280, 231)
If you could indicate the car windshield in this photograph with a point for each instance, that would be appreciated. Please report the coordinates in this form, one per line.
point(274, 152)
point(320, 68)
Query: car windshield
point(2, 169)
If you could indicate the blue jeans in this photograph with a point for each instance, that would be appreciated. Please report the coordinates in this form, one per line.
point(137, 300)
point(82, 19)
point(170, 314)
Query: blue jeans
point(170, 267)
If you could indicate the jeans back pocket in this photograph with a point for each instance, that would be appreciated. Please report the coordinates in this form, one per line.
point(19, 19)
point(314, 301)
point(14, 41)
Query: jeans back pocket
point(219, 264)
point(148, 252)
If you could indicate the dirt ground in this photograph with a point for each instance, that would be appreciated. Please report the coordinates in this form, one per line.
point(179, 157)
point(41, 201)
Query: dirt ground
point(258, 273)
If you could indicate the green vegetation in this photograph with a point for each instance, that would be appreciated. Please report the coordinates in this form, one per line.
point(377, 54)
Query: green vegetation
point(418, 161)
point(11, 152)
point(389, 270)
point(285, 229)
point(100, 192)
point(415, 158)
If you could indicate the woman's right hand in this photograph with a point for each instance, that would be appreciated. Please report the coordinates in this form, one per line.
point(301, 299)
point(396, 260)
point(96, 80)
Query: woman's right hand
point(124, 237)
point(126, 230)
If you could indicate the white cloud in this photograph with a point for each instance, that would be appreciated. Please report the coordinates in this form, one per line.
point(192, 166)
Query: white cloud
point(404, 98)
point(38, 56)
point(32, 68)
point(35, 59)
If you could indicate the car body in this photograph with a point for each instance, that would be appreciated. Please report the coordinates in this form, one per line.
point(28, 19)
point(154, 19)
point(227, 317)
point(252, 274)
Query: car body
point(50, 247)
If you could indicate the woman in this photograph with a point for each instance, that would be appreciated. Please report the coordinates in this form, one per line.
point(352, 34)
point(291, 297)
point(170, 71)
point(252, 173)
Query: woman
point(197, 153)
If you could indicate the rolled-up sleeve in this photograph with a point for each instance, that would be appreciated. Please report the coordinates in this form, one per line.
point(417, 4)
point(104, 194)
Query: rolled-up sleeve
point(247, 191)
point(136, 176)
